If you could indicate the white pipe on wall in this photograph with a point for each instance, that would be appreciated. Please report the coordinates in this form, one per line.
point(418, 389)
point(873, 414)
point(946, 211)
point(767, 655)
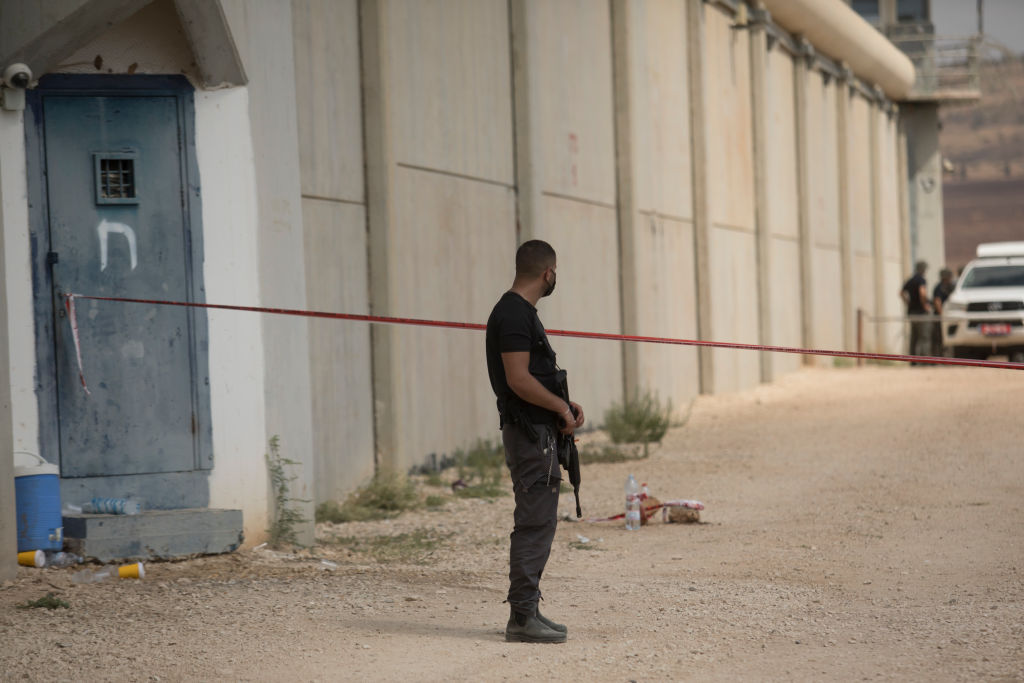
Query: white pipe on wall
point(837, 31)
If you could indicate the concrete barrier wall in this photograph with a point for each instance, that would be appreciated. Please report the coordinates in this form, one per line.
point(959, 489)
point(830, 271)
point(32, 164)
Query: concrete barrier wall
point(487, 123)
point(565, 134)
point(443, 245)
point(823, 226)
point(891, 232)
point(730, 171)
point(783, 212)
point(655, 195)
point(860, 187)
point(328, 83)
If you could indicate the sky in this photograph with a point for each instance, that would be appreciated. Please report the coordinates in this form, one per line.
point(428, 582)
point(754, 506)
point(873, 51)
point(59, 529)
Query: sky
point(1004, 20)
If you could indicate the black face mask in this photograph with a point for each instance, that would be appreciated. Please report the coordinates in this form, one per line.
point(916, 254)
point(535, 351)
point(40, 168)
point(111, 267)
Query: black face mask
point(551, 285)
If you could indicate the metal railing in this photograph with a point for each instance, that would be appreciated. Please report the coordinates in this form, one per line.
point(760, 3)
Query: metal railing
point(946, 67)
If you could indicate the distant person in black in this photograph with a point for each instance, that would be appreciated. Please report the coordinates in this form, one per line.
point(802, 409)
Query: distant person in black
point(521, 366)
point(915, 296)
point(939, 296)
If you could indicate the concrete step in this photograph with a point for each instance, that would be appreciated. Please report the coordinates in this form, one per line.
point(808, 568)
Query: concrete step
point(154, 534)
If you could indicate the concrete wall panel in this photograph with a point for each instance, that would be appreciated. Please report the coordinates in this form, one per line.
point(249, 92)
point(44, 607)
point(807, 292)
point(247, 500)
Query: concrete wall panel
point(787, 320)
point(864, 292)
point(823, 174)
point(570, 57)
point(781, 181)
point(826, 279)
point(264, 38)
point(17, 272)
point(343, 440)
point(893, 334)
point(889, 186)
point(334, 225)
point(729, 121)
point(860, 176)
point(327, 83)
point(452, 257)
point(451, 86)
point(586, 239)
point(730, 167)
point(891, 233)
point(659, 282)
point(231, 275)
point(666, 283)
point(781, 215)
point(734, 307)
point(660, 102)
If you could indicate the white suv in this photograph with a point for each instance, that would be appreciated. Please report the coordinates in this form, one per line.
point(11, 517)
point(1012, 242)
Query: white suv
point(984, 315)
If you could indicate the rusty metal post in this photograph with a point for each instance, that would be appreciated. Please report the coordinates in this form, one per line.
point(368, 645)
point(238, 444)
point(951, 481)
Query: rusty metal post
point(860, 336)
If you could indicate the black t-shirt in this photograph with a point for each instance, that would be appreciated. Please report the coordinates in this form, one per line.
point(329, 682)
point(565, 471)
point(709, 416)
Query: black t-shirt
point(913, 290)
point(514, 326)
point(942, 291)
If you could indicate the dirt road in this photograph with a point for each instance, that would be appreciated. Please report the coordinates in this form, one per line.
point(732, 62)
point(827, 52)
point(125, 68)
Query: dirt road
point(860, 525)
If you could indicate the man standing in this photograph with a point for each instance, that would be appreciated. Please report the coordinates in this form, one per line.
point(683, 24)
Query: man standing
point(915, 296)
point(522, 369)
point(939, 296)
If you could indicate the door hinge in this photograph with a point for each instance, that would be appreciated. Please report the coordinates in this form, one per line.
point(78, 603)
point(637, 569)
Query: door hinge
point(52, 258)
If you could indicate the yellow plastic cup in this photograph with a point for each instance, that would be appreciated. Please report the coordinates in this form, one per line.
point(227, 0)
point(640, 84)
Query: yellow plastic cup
point(32, 558)
point(132, 571)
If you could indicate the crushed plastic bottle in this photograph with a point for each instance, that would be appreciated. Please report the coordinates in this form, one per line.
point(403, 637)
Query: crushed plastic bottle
point(112, 506)
point(61, 559)
point(94, 575)
point(632, 504)
point(134, 570)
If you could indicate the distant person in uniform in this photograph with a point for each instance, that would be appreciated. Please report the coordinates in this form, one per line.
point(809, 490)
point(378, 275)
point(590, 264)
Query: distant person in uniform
point(939, 296)
point(523, 373)
point(915, 296)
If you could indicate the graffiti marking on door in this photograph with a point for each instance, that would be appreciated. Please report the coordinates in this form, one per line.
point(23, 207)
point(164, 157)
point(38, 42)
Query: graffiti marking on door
point(105, 228)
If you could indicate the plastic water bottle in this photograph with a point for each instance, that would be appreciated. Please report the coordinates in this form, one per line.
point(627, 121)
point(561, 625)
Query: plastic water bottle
point(632, 504)
point(94, 576)
point(112, 506)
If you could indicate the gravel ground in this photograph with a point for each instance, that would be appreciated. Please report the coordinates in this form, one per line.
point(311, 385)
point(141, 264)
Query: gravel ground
point(861, 524)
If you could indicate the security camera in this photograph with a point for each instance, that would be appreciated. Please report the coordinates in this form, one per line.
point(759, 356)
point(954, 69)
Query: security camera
point(18, 76)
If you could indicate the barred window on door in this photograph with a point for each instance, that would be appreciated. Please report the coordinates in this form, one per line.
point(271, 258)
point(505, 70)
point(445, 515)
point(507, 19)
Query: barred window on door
point(115, 178)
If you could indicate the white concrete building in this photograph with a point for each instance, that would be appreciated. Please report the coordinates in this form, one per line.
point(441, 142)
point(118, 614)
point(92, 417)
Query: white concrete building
point(718, 170)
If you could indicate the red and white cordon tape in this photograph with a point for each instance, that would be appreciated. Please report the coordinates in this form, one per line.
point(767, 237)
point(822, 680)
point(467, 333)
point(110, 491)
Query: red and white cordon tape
point(69, 306)
point(69, 303)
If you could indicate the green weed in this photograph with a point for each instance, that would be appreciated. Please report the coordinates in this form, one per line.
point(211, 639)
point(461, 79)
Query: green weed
point(282, 529)
point(489, 489)
point(643, 420)
point(387, 495)
point(579, 545)
point(49, 602)
point(434, 501)
point(482, 469)
point(608, 453)
point(414, 547)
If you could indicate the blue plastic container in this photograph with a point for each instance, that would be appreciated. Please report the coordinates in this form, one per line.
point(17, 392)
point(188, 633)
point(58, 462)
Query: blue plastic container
point(37, 503)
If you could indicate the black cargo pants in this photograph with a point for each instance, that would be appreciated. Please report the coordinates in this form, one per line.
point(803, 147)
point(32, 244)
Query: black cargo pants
point(535, 481)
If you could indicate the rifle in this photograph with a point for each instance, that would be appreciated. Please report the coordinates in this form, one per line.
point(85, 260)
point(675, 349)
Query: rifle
point(568, 455)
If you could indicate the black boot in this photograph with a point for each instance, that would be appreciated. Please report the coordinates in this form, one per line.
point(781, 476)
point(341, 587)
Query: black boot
point(528, 628)
point(561, 628)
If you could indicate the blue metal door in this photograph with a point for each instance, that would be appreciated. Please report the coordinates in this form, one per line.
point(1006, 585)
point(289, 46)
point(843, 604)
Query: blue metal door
point(118, 226)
